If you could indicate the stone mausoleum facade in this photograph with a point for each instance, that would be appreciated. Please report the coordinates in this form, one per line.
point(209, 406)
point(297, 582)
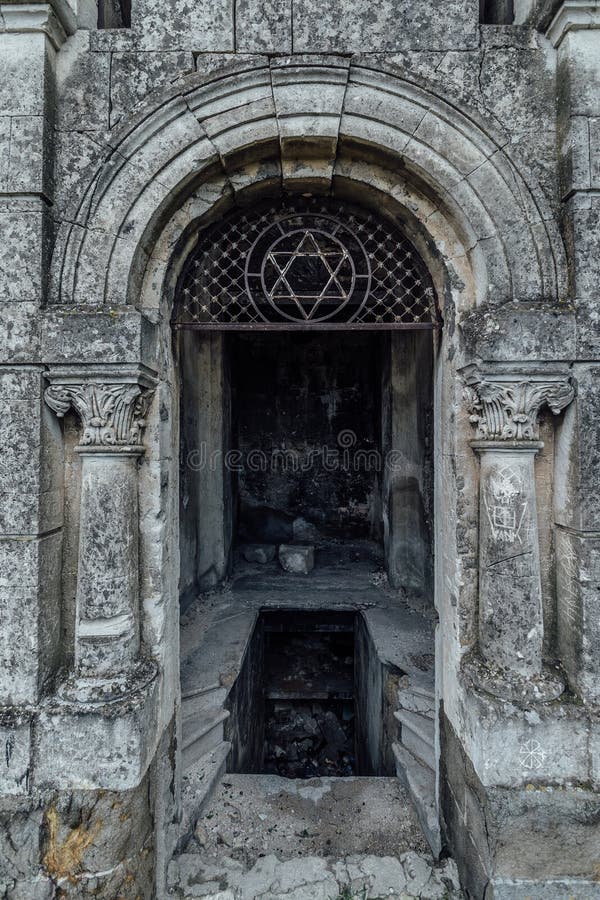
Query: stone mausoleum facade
point(229, 226)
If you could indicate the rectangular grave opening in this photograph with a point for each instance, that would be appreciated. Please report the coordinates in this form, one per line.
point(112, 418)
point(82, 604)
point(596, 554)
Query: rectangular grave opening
point(309, 699)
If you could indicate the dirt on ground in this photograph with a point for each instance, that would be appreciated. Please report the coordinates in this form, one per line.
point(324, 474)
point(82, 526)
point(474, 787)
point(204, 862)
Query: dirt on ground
point(251, 816)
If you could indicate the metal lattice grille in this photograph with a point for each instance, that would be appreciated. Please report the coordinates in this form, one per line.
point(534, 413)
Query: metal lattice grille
point(305, 265)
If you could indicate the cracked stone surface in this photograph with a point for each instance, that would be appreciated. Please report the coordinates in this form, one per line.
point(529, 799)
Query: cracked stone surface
point(262, 836)
point(315, 878)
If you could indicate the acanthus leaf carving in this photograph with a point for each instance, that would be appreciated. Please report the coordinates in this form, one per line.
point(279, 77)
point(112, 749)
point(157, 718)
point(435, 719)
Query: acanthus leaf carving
point(111, 415)
point(507, 409)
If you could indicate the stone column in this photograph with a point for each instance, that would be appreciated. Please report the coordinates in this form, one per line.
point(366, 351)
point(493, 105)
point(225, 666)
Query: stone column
point(111, 407)
point(504, 409)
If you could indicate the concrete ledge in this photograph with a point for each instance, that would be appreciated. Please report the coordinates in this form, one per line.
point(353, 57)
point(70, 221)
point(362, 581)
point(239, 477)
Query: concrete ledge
point(573, 15)
point(559, 889)
point(119, 745)
point(98, 336)
point(56, 19)
point(539, 841)
point(513, 745)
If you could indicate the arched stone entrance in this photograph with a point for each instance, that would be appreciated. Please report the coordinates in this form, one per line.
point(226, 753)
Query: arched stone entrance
point(489, 240)
point(306, 330)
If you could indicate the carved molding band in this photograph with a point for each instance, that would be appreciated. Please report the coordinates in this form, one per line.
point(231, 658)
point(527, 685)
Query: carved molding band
point(506, 408)
point(112, 414)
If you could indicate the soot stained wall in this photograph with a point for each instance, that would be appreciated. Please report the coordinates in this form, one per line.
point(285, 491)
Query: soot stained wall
point(296, 397)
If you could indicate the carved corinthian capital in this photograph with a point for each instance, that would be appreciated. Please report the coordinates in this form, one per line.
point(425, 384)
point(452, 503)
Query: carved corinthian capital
point(506, 407)
point(112, 408)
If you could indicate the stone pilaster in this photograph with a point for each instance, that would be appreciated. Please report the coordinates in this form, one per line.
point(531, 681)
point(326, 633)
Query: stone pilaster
point(504, 409)
point(111, 408)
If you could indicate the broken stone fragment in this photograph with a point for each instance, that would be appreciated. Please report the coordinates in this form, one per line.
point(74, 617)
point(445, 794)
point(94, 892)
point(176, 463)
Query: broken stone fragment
point(297, 559)
point(305, 530)
point(201, 834)
point(259, 553)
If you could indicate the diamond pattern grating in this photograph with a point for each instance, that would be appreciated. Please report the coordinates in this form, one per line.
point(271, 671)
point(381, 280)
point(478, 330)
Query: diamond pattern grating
point(302, 265)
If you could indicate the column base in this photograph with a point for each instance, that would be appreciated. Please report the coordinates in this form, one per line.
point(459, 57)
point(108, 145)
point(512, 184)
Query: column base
point(507, 685)
point(96, 689)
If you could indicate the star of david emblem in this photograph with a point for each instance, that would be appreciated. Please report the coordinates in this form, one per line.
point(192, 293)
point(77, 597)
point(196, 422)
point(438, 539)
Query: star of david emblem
point(310, 269)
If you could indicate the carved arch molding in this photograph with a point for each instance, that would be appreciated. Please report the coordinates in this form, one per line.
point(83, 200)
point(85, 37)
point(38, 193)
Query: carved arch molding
point(287, 125)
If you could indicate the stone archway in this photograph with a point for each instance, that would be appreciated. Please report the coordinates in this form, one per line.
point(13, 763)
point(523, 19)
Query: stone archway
point(478, 219)
point(291, 124)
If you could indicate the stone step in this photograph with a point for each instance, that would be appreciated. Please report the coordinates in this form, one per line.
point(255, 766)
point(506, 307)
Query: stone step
point(409, 874)
point(418, 735)
point(424, 688)
point(419, 781)
point(199, 691)
point(203, 704)
point(200, 735)
point(417, 701)
point(198, 784)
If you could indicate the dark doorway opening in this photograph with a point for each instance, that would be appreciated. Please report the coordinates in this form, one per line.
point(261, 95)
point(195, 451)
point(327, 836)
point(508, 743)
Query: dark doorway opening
point(321, 440)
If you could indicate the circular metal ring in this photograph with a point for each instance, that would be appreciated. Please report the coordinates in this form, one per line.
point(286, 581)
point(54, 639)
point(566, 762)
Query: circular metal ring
point(275, 267)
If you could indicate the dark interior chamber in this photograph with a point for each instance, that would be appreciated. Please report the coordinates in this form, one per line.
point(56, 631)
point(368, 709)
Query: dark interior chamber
point(320, 439)
point(306, 412)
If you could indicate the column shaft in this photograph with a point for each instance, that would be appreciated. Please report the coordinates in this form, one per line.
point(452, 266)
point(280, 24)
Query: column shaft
point(107, 627)
point(510, 593)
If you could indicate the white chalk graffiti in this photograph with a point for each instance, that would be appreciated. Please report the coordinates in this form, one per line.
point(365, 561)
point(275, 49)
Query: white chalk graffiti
point(531, 755)
point(505, 506)
point(567, 579)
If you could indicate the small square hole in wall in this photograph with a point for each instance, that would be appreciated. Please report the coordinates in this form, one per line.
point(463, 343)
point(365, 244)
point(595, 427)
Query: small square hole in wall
point(496, 12)
point(114, 14)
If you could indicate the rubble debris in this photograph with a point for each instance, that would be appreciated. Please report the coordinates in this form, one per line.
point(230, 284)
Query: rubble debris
point(308, 740)
point(259, 553)
point(305, 531)
point(299, 559)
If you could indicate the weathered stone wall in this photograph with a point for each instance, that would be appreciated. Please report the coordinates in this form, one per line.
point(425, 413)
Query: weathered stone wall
point(114, 146)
